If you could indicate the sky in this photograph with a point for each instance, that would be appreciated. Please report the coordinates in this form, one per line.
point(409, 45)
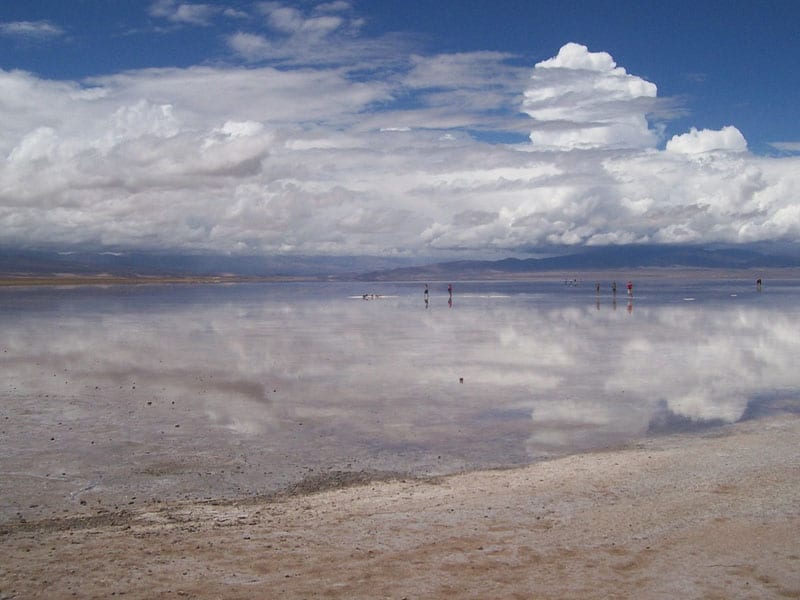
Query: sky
point(423, 128)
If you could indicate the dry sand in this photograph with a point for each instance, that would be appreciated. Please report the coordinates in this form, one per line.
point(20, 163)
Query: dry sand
point(715, 515)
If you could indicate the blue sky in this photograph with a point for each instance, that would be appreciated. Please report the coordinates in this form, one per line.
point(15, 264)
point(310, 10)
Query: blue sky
point(723, 62)
point(398, 128)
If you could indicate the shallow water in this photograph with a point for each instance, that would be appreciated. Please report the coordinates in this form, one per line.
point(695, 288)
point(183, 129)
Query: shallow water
point(119, 394)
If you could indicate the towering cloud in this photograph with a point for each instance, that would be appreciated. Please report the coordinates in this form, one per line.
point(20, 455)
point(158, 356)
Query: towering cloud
point(582, 99)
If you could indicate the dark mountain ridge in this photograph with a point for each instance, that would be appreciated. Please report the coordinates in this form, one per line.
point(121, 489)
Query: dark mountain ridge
point(43, 263)
point(602, 258)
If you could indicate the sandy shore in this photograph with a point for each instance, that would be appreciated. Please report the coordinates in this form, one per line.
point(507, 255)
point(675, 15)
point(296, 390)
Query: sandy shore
point(715, 515)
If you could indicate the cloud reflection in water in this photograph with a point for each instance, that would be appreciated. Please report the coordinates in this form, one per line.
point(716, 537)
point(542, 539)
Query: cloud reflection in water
point(309, 367)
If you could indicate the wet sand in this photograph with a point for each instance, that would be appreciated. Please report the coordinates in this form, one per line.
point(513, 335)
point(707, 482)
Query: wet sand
point(712, 515)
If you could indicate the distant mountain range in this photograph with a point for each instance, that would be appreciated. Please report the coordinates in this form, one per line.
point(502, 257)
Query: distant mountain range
point(159, 264)
point(14, 262)
point(599, 259)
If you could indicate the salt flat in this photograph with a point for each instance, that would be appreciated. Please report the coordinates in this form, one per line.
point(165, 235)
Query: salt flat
point(711, 515)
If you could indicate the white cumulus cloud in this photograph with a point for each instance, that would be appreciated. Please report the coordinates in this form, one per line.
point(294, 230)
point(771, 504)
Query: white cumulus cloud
point(315, 160)
point(727, 139)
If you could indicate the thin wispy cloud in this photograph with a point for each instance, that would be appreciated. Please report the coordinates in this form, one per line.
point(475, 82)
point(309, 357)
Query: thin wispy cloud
point(786, 146)
point(184, 12)
point(323, 35)
point(31, 30)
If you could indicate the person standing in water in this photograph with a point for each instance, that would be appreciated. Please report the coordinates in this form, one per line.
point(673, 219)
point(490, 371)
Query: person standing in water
point(425, 294)
point(630, 288)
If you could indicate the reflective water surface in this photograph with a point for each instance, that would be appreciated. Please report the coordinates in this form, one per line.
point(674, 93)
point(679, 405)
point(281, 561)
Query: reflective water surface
point(203, 391)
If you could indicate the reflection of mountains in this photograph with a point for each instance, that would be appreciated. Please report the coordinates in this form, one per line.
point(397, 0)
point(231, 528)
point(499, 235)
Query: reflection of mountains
point(387, 373)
